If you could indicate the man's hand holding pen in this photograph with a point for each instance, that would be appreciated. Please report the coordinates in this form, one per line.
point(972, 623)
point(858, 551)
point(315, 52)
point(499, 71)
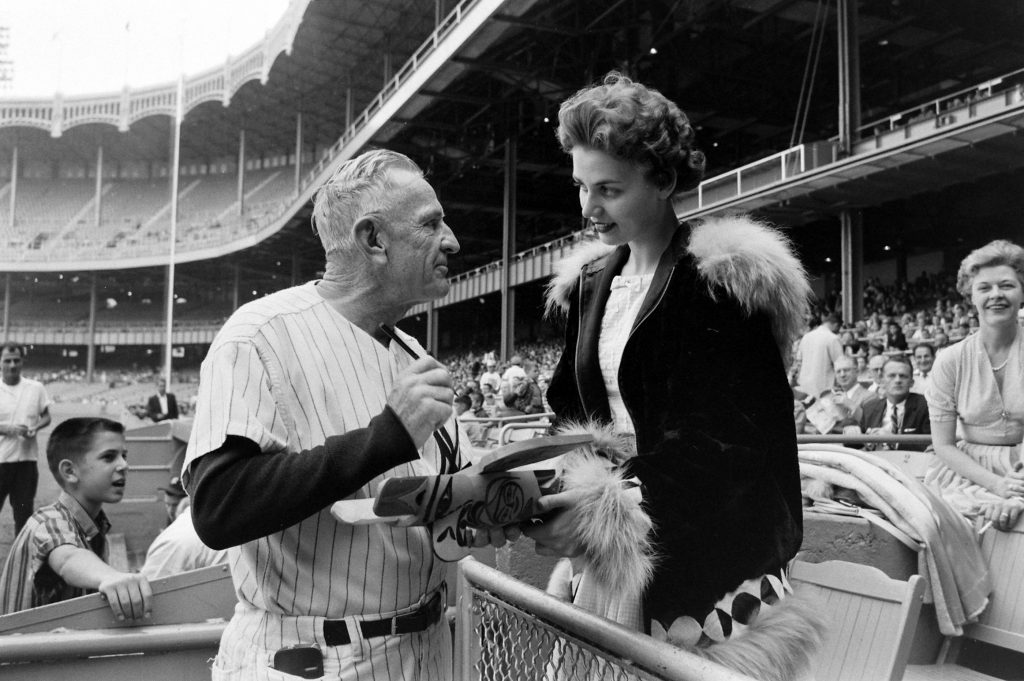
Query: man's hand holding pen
point(422, 398)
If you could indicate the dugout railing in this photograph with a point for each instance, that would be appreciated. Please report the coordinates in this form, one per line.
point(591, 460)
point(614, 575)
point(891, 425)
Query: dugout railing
point(509, 631)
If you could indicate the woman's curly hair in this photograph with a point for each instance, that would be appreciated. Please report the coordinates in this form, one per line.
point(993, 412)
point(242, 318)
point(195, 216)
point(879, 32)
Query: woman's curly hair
point(635, 123)
point(992, 254)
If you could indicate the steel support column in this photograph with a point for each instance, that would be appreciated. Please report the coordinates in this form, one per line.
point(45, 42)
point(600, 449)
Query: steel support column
point(241, 174)
point(234, 286)
point(851, 223)
point(14, 186)
point(851, 226)
point(90, 336)
point(98, 213)
point(849, 75)
point(508, 249)
point(298, 152)
point(7, 306)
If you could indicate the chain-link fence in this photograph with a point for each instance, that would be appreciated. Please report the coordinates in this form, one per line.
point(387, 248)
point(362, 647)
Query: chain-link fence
point(510, 631)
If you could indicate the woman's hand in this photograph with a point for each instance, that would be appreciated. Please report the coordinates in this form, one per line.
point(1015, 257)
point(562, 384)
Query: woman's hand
point(1003, 514)
point(552, 530)
point(1011, 485)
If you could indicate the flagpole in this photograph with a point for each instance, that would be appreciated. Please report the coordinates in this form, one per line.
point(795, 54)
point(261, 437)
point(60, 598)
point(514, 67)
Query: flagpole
point(178, 114)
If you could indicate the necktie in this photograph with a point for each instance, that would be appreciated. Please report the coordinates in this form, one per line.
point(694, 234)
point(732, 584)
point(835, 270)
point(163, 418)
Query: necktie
point(894, 418)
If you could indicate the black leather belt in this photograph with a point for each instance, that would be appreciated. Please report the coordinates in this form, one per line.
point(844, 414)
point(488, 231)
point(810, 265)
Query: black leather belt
point(336, 631)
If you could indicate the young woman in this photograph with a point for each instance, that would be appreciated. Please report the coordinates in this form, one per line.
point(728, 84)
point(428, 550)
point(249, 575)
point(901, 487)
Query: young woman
point(674, 342)
point(978, 385)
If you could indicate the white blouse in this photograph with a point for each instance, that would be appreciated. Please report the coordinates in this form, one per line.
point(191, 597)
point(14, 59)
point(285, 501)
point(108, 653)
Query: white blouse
point(627, 295)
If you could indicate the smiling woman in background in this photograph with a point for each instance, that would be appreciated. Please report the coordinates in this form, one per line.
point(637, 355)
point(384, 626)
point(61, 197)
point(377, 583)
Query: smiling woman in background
point(978, 385)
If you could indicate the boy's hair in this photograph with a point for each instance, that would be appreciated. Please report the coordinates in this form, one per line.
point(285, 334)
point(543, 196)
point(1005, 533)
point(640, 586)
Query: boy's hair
point(73, 437)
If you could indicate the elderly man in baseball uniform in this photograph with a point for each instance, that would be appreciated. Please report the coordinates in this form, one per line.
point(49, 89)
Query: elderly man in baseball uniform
point(304, 401)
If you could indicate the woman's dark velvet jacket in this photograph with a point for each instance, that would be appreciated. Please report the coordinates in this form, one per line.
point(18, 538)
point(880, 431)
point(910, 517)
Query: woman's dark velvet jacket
point(706, 388)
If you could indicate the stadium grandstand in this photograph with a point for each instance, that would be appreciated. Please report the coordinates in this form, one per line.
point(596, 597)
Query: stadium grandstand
point(883, 136)
point(470, 91)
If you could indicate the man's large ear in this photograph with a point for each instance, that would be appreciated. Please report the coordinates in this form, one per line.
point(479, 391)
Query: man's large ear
point(369, 237)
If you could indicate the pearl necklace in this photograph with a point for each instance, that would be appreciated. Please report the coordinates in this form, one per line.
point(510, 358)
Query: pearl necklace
point(1001, 366)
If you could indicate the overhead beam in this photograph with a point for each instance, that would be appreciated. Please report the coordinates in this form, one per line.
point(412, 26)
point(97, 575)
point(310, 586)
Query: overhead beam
point(770, 11)
point(535, 26)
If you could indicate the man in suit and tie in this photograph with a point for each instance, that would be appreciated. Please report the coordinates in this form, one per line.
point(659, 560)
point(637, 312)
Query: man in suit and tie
point(163, 405)
point(901, 411)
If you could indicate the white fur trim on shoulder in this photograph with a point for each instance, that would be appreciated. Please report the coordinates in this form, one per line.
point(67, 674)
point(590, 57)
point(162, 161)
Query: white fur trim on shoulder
point(754, 263)
point(567, 272)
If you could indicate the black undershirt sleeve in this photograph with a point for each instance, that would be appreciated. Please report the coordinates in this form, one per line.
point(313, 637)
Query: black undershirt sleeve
point(240, 493)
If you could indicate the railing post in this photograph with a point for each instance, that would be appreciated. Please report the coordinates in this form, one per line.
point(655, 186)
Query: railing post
point(465, 623)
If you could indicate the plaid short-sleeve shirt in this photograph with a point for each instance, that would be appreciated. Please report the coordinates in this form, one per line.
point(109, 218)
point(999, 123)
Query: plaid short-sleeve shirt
point(27, 581)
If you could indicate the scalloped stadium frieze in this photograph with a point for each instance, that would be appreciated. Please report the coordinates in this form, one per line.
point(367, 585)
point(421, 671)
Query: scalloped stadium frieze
point(122, 109)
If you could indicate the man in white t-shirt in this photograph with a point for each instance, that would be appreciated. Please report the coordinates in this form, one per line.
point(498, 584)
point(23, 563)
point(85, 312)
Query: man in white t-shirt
point(24, 411)
point(817, 352)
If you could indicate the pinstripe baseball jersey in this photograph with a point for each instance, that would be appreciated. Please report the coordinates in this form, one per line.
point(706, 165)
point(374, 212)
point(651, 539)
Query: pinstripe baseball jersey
point(286, 372)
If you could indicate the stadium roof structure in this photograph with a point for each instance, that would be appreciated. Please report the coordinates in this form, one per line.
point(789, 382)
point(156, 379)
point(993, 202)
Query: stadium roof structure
point(738, 67)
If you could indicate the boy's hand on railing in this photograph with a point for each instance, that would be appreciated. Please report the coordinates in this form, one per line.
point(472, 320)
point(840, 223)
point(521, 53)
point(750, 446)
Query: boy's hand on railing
point(128, 594)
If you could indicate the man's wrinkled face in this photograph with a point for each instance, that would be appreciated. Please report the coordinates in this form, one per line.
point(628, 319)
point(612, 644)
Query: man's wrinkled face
point(419, 240)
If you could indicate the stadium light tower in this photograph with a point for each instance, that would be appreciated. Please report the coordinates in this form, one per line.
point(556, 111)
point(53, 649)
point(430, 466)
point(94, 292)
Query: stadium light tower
point(179, 112)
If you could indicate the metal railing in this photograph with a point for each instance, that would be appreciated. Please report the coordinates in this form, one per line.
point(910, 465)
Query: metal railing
point(778, 167)
point(865, 438)
point(507, 630)
point(940, 105)
point(74, 645)
point(449, 23)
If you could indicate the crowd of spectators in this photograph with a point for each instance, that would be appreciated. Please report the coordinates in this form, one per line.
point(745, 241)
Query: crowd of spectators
point(898, 318)
point(839, 368)
point(488, 389)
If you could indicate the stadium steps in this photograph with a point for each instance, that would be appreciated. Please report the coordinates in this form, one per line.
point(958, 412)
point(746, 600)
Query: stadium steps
point(165, 210)
point(232, 210)
point(78, 218)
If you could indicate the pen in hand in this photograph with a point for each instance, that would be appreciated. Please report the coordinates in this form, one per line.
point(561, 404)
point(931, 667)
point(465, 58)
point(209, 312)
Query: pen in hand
point(390, 332)
point(444, 440)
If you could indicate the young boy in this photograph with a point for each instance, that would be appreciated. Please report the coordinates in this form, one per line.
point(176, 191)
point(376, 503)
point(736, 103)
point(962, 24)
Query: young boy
point(60, 552)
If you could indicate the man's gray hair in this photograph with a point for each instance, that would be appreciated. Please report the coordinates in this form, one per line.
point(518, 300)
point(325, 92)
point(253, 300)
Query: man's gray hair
point(353, 192)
